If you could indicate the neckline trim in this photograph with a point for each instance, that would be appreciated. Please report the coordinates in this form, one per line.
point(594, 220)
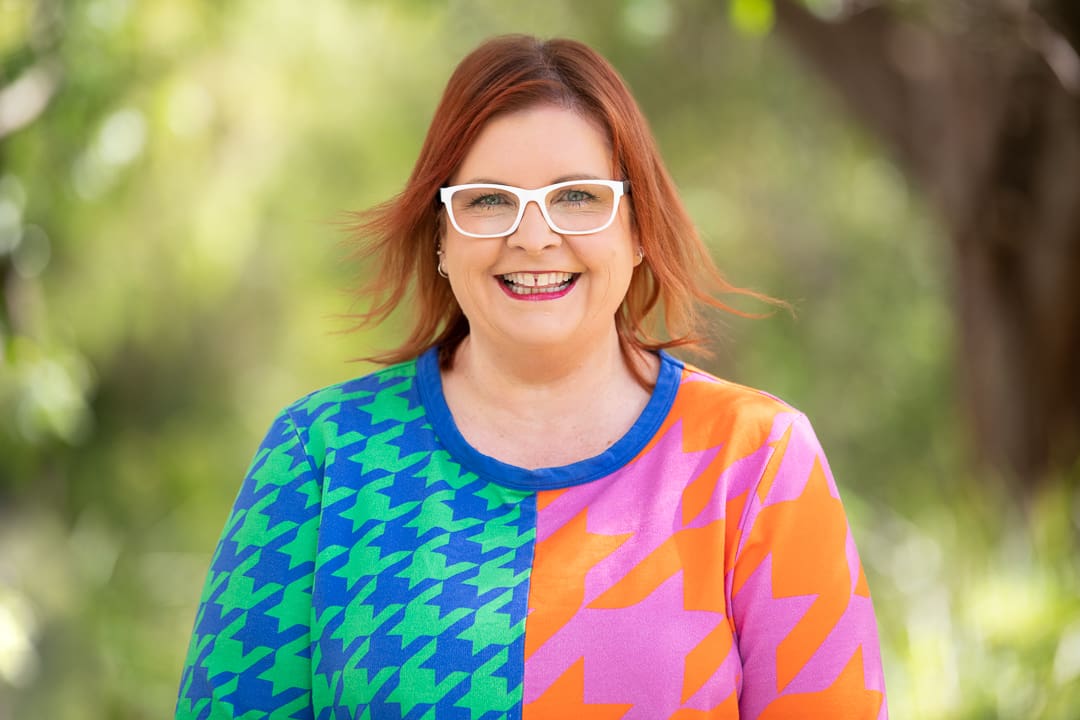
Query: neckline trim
point(619, 454)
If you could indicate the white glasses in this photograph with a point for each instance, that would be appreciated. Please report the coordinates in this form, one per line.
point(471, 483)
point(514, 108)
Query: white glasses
point(575, 207)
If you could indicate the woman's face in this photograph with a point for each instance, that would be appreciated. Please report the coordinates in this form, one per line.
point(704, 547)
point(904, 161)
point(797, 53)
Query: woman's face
point(587, 275)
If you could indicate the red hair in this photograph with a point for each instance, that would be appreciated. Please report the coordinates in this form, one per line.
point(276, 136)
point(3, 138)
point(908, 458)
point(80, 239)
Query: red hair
point(508, 74)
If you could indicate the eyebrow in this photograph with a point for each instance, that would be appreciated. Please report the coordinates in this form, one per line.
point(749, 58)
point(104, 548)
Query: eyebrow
point(562, 178)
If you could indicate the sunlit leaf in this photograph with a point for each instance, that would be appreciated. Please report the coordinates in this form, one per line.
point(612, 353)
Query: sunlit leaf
point(752, 17)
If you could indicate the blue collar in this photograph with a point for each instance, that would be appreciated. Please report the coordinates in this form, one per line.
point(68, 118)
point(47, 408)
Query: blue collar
point(619, 454)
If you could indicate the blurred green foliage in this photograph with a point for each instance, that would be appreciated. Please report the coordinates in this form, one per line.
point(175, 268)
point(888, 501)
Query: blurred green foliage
point(172, 274)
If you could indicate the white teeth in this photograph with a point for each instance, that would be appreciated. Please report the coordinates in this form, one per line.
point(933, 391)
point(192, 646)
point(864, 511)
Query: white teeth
point(539, 280)
point(525, 283)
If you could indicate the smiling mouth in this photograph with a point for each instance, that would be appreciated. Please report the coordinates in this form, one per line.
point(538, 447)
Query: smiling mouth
point(527, 283)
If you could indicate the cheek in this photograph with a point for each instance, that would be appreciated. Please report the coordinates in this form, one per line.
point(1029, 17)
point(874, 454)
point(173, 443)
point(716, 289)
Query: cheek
point(614, 265)
point(620, 261)
point(467, 264)
point(465, 286)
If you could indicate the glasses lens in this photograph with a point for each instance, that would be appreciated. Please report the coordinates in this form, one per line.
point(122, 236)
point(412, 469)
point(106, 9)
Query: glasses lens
point(484, 210)
point(580, 207)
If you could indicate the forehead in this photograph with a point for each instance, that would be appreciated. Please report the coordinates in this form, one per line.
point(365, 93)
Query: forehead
point(537, 146)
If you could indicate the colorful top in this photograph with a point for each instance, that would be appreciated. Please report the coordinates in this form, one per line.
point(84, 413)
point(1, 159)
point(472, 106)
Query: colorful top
point(375, 565)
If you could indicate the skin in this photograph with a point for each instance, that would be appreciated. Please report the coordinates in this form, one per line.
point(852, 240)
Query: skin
point(542, 383)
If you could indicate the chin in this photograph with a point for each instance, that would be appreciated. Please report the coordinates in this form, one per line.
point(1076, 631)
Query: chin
point(541, 336)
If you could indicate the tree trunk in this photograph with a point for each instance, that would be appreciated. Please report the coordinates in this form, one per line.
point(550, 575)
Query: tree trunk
point(987, 123)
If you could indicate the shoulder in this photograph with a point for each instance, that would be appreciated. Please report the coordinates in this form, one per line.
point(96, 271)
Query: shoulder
point(711, 412)
point(704, 395)
point(344, 414)
point(368, 391)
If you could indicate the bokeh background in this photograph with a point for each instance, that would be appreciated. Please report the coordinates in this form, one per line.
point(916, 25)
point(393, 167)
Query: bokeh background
point(173, 177)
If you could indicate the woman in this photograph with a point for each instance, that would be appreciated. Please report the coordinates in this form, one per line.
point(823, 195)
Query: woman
point(535, 511)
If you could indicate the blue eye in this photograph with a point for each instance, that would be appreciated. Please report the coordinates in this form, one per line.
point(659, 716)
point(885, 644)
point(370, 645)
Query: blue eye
point(489, 200)
point(576, 196)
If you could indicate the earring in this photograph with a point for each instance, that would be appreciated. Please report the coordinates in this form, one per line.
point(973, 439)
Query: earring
point(439, 266)
point(640, 254)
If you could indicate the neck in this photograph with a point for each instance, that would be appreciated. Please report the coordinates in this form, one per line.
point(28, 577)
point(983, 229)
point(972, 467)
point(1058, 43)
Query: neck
point(502, 373)
point(535, 407)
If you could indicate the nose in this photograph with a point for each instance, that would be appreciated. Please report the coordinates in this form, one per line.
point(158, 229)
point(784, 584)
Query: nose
point(533, 234)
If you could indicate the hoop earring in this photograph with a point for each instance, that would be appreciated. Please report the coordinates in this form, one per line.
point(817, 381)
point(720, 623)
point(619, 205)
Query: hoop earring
point(439, 265)
point(640, 254)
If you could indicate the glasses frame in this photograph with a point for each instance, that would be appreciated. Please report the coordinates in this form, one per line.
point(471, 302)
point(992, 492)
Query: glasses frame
point(524, 196)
